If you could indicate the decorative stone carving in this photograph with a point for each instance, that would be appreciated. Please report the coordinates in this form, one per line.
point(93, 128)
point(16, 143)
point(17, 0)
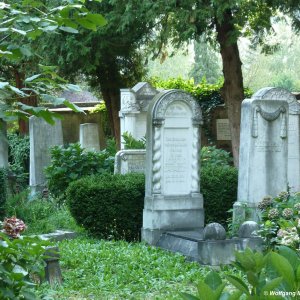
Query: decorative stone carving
point(263, 149)
point(134, 106)
point(130, 161)
point(173, 200)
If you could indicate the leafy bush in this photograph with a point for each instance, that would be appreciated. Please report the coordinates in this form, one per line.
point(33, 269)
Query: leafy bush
point(280, 223)
point(131, 143)
point(18, 148)
point(71, 163)
point(274, 274)
point(3, 191)
point(109, 206)
point(219, 189)
point(40, 215)
point(212, 156)
point(21, 259)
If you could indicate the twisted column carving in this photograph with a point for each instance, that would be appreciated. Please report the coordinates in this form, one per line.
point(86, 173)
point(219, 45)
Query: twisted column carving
point(156, 159)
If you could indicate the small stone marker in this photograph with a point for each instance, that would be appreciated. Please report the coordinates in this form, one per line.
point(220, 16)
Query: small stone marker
point(263, 150)
point(3, 146)
point(172, 199)
point(43, 136)
point(134, 106)
point(52, 270)
point(223, 130)
point(130, 161)
point(89, 136)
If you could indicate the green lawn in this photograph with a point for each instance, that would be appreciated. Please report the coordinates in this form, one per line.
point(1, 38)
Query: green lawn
point(98, 269)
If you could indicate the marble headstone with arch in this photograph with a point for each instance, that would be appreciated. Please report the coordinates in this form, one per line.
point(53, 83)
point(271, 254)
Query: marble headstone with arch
point(173, 201)
point(263, 161)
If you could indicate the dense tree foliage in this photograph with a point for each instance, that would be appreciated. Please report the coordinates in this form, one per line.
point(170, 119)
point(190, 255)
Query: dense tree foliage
point(109, 58)
point(24, 79)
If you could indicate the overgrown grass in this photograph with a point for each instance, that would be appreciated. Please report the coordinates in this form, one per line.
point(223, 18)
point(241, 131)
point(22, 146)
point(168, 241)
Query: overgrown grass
point(98, 269)
point(40, 215)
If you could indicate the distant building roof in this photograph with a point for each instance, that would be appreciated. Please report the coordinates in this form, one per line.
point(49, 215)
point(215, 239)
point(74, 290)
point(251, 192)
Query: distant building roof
point(84, 96)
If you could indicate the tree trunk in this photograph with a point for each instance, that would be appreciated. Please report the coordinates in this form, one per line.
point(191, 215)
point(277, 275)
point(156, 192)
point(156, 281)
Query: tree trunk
point(30, 100)
point(112, 102)
point(110, 84)
point(233, 89)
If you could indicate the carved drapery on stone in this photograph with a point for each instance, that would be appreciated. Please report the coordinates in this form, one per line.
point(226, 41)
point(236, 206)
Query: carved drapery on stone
point(156, 159)
point(269, 116)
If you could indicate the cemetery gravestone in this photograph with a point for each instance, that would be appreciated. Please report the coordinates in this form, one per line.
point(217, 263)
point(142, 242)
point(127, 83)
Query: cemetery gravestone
point(89, 136)
point(172, 199)
point(223, 130)
point(42, 136)
point(130, 161)
point(263, 151)
point(134, 106)
point(3, 146)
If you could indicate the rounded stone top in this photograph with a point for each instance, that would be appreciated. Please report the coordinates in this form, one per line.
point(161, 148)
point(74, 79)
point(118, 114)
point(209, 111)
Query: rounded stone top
point(248, 229)
point(272, 93)
point(214, 231)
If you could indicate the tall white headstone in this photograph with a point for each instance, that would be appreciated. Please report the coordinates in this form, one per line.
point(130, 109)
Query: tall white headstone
point(172, 200)
point(89, 136)
point(3, 146)
point(263, 160)
point(134, 106)
point(42, 136)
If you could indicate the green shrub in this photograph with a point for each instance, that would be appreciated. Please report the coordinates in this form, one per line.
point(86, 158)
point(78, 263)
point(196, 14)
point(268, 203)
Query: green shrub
point(3, 191)
point(109, 206)
point(131, 143)
point(71, 163)
point(219, 189)
point(213, 156)
point(21, 258)
point(280, 223)
point(267, 276)
point(18, 148)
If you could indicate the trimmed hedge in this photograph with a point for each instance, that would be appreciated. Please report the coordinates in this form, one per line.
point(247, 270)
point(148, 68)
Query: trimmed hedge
point(109, 206)
point(3, 191)
point(219, 189)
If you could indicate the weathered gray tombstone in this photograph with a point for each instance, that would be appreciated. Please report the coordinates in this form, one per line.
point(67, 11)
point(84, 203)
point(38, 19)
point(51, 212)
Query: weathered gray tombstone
point(134, 106)
point(263, 157)
point(89, 136)
point(172, 199)
point(42, 137)
point(3, 146)
point(293, 132)
point(130, 161)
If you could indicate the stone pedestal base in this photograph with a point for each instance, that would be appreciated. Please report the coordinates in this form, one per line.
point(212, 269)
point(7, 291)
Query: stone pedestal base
point(243, 211)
